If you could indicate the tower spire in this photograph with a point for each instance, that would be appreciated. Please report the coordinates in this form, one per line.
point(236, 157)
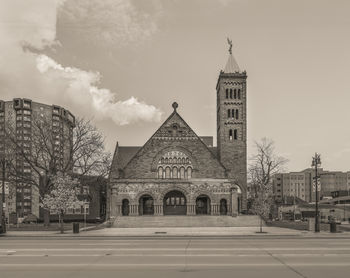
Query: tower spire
point(231, 65)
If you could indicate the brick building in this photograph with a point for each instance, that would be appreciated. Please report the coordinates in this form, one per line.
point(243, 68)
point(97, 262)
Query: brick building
point(300, 184)
point(92, 192)
point(177, 172)
point(19, 116)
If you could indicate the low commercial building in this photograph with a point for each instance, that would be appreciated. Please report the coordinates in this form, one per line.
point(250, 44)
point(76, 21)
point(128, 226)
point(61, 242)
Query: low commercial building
point(301, 184)
point(92, 193)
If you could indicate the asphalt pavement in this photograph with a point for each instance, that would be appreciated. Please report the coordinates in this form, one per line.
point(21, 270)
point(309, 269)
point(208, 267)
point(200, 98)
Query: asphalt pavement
point(175, 257)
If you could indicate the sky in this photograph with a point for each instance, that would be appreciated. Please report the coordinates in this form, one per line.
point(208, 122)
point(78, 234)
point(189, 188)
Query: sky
point(122, 63)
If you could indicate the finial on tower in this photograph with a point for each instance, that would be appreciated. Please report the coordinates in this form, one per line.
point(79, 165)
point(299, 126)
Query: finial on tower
point(230, 44)
point(175, 105)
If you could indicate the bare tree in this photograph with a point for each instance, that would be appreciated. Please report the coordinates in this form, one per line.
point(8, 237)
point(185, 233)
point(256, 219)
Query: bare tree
point(49, 149)
point(88, 156)
point(264, 164)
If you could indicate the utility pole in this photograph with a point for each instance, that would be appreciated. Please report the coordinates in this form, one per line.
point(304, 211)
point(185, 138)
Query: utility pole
point(316, 161)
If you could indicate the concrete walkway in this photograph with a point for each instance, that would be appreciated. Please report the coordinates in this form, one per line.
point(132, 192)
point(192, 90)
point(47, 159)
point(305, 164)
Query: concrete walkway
point(178, 232)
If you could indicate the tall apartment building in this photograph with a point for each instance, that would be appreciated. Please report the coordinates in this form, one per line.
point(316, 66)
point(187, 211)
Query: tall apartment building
point(300, 184)
point(20, 116)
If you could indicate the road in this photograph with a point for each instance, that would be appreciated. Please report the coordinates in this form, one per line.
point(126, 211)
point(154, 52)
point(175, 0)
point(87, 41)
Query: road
point(175, 257)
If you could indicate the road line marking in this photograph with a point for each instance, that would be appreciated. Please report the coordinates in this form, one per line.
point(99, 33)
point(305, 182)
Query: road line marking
point(175, 255)
point(179, 249)
point(170, 265)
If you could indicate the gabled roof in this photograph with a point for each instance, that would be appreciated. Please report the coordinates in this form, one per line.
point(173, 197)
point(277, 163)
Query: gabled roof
point(121, 157)
point(162, 132)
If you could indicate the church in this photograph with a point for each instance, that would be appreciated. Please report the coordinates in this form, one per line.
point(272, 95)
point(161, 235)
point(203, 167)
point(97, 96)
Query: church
point(177, 172)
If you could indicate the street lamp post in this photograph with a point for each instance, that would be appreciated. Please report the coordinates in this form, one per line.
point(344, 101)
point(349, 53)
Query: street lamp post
point(84, 214)
point(316, 161)
point(2, 210)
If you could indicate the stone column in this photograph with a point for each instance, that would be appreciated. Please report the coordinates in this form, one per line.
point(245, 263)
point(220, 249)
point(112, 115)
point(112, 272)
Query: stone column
point(158, 209)
point(215, 209)
point(133, 209)
point(114, 205)
point(212, 209)
point(191, 209)
point(234, 202)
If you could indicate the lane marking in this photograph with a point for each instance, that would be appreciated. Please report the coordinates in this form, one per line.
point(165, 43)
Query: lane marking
point(180, 249)
point(175, 255)
point(170, 265)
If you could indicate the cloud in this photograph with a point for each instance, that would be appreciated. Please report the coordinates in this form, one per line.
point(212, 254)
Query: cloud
point(29, 27)
point(82, 90)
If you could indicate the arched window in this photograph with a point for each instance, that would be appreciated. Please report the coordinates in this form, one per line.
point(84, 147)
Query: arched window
point(189, 172)
point(172, 165)
point(160, 172)
point(230, 134)
point(236, 113)
point(235, 94)
point(233, 113)
point(226, 93)
point(230, 93)
point(175, 173)
point(235, 134)
point(182, 173)
point(239, 93)
point(228, 113)
point(167, 173)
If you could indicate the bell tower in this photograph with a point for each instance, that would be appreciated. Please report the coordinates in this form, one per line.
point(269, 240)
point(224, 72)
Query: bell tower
point(231, 92)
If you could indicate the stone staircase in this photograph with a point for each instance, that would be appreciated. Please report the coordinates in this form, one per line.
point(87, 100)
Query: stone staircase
point(147, 221)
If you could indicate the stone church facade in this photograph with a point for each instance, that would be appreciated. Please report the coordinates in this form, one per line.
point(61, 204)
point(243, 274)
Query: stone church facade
point(177, 172)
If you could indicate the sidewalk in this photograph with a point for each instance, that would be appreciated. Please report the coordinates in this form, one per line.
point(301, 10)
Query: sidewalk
point(179, 232)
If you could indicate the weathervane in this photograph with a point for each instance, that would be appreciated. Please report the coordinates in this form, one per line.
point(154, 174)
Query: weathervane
point(230, 44)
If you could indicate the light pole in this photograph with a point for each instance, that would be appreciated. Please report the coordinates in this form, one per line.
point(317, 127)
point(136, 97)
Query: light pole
point(2, 210)
point(316, 161)
point(85, 203)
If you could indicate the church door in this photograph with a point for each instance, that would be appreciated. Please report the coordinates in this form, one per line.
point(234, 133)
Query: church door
point(223, 207)
point(146, 205)
point(203, 205)
point(125, 207)
point(174, 203)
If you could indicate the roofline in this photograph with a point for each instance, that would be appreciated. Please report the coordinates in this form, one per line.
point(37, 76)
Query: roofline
point(175, 112)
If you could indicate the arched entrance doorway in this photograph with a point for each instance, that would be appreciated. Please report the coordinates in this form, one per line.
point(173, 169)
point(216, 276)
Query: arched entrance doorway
point(174, 203)
point(203, 204)
point(125, 207)
point(146, 206)
point(223, 207)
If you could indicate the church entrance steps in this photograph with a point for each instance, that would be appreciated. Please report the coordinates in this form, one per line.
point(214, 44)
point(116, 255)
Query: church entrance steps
point(148, 221)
